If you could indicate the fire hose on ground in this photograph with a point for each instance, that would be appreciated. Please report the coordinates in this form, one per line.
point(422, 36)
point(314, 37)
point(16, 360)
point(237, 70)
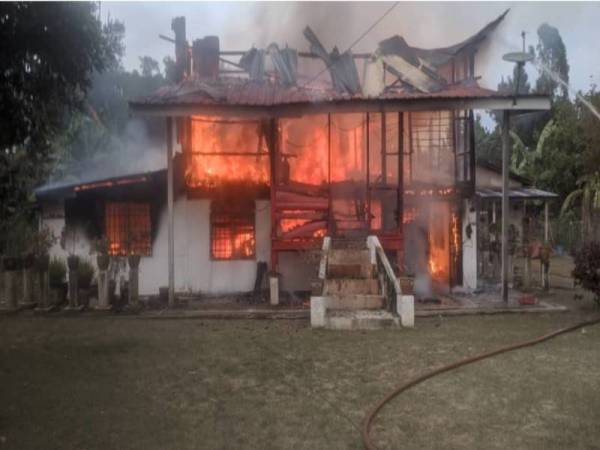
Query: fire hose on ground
point(366, 426)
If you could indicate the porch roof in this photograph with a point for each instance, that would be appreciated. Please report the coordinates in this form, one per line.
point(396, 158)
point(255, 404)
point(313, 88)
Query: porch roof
point(515, 193)
point(238, 96)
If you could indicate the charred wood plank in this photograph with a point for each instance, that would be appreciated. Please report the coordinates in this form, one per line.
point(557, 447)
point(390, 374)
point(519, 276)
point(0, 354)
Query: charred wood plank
point(297, 198)
point(304, 206)
point(305, 215)
point(305, 230)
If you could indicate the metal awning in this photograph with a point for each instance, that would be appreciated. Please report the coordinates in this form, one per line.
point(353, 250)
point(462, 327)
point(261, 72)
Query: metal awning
point(515, 193)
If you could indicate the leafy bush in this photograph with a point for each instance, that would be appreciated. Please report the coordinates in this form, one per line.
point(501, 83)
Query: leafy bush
point(57, 272)
point(85, 273)
point(587, 268)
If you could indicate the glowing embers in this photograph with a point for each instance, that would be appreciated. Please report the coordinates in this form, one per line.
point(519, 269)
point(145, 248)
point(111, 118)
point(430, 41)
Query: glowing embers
point(127, 228)
point(227, 151)
point(232, 235)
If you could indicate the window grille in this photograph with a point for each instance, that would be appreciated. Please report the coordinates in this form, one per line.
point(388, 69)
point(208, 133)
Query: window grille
point(127, 227)
point(232, 234)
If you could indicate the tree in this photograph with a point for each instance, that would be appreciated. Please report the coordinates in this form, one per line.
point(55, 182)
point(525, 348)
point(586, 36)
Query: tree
point(48, 55)
point(588, 194)
point(149, 66)
point(552, 55)
point(487, 144)
point(170, 69)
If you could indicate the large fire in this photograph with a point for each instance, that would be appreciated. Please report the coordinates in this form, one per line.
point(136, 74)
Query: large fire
point(226, 151)
point(337, 171)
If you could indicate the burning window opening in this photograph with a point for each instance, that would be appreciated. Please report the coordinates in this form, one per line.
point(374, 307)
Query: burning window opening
point(226, 151)
point(127, 228)
point(232, 231)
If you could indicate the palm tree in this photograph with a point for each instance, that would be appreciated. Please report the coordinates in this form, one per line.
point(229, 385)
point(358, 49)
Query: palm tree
point(589, 192)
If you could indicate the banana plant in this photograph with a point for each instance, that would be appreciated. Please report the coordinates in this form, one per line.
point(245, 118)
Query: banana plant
point(522, 157)
point(589, 192)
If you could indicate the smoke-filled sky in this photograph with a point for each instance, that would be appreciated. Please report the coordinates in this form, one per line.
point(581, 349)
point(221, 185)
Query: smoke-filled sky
point(241, 25)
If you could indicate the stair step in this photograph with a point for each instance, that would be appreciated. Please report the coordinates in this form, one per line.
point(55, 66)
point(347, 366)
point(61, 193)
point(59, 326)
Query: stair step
point(349, 243)
point(361, 320)
point(350, 271)
point(348, 256)
point(354, 302)
point(350, 286)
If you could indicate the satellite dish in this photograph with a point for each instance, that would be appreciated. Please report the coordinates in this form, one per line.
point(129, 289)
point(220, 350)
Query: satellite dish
point(518, 57)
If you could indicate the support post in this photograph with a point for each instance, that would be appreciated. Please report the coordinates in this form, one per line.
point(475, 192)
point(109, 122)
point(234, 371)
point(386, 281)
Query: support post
point(171, 233)
point(400, 192)
point(505, 203)
point(546, 224)
point(134, 264)
point(73, 265)
point(330, 222)
point(43, 289)
point(383, 150)
point(9, 289)
point(274, 289)
point(28, 299)
point(103, 289)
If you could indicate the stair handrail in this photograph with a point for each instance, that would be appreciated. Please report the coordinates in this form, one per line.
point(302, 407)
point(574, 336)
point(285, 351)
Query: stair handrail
point(390, 286)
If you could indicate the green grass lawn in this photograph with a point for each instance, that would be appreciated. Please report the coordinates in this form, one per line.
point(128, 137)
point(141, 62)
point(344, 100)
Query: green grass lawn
point(108, 382)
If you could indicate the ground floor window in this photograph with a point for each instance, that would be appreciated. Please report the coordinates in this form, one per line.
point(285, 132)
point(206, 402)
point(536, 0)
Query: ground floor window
point(127, 227)
point(232, 232)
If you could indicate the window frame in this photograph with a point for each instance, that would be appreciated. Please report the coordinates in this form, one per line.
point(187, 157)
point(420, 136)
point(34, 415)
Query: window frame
point(235, 221)
point(143, 249)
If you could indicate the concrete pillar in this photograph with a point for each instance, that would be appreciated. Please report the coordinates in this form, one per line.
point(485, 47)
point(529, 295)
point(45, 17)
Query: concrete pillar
point(27, 287)
point(274, 289)
point(43, 289)
point(505, 204)
point(405, 307)
point(546, 223)
point(134, 263)
point(73, 289)
point(10, 298)
point(318, 309)
point(103, 290)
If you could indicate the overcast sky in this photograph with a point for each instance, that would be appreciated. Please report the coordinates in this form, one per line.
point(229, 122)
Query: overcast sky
point(241, 25)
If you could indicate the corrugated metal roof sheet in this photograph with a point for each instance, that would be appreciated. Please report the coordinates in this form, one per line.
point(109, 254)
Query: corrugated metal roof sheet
point(244, 92)
point(515, 193)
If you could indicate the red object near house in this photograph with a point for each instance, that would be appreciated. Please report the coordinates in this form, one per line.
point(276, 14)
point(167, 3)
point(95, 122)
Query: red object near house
point(527, 300)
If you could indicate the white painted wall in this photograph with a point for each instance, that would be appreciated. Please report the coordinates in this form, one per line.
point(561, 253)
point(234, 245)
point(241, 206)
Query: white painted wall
point(195, 272)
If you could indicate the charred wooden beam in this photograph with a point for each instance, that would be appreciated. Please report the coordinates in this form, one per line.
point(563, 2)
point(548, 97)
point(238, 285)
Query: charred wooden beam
point(305, 230)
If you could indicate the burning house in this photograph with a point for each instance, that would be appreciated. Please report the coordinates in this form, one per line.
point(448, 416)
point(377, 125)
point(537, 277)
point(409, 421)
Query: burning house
point(264, 160)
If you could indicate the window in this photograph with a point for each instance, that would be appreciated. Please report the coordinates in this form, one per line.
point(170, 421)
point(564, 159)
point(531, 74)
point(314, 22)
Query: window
point(128, 228)
point(232, 232)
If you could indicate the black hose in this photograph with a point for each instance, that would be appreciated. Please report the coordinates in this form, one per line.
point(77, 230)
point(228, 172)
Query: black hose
point(366, 426)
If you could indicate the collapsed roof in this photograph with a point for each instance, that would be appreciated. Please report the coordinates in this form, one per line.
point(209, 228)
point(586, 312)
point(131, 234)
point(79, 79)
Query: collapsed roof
point(269, 78)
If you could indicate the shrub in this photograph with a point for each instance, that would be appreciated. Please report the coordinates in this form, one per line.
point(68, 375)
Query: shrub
point(85, 273)
point(57, 272)
point(587, 268)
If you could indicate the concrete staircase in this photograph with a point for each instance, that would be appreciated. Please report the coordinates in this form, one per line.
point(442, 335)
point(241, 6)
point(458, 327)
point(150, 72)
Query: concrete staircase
point(351, 296)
